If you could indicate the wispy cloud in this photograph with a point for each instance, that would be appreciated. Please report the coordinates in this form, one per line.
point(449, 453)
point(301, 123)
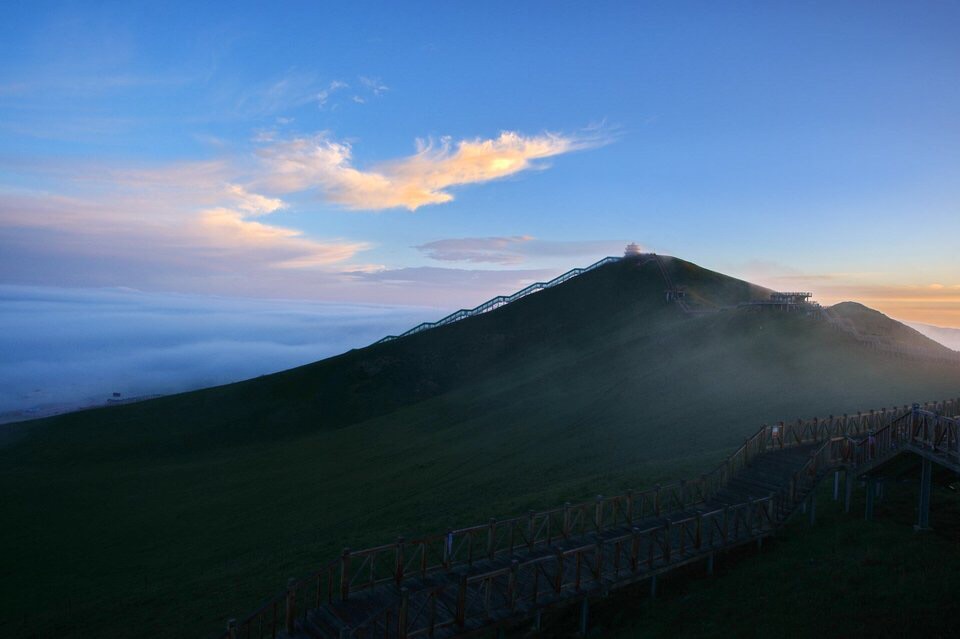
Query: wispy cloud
point(491, 250)
point(374, 85)
point(516, 249)
point(323, 95)
point(322, 163)
point(157, 224)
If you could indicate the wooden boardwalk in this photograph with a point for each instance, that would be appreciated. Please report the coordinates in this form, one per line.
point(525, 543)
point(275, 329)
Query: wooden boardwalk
point(469, 580)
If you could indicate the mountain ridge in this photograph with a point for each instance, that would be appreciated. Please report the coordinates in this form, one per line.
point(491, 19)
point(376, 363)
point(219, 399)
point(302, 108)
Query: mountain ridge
point(590, 387)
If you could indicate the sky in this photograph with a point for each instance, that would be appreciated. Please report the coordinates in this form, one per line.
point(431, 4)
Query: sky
point(436, 154)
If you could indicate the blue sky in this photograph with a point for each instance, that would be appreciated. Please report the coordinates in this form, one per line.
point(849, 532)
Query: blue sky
point(439, 153)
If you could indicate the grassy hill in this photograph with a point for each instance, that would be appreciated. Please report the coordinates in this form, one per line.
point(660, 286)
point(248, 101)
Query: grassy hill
point(170, 515)
point(874, 323)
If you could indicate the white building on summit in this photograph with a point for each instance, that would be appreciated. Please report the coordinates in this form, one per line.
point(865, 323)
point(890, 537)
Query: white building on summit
point(632, 250)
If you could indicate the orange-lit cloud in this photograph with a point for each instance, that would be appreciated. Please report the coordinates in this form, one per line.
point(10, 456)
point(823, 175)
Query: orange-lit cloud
point(228, 227)
point(418, 180)
point(187, 220)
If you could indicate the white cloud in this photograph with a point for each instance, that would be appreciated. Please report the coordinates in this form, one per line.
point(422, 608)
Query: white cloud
point(374, 85)
point(253, 203)
point(424, 178)
point(515, 249)
point(491, 250)
point(323, 95)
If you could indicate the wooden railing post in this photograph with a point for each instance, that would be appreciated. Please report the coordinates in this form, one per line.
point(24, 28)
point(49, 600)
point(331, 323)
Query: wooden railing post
point(699, 533)
point(598, 569)
point(291, 606)
point(402, 616)
point(630, 507)
point(531, 529)
point(668, 542)
point(462, 602)
point(558, 584)
point(512, 585)
point(398, 571)
point(345, 574)
point(491, 538)
point(726, 524)
point(447, 549)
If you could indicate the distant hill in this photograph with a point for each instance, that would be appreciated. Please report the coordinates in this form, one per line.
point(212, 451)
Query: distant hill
point(172, 514)
point(874, 323)
point(949, 337)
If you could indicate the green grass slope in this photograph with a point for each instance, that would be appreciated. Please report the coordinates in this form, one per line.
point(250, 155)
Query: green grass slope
point(168, 516)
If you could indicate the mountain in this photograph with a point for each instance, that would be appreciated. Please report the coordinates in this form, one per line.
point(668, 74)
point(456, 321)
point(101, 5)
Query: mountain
point(173, 514)
point(874, 324)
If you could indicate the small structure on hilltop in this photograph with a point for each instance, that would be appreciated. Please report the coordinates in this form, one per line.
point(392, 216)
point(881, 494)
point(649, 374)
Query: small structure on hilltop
point(786, 301)
point(632, 250)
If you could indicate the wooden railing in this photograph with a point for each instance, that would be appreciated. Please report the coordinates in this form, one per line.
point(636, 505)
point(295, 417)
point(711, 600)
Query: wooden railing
point(283, 611)
point(923, 429)
point(851, 439)
point(566, 572)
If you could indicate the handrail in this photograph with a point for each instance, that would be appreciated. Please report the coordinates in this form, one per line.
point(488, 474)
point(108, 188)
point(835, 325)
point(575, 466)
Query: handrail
point(500, 300)
point(930, 426)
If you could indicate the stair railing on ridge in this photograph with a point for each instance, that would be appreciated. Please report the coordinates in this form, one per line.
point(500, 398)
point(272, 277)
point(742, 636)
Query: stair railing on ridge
point(363, 569)
point(500, 300)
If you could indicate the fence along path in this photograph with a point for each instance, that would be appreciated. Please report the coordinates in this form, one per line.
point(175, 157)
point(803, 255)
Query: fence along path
point(466, 580)
point(500, 300)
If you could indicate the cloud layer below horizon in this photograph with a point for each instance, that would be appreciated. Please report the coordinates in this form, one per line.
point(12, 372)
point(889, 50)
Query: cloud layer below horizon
point(74, 347)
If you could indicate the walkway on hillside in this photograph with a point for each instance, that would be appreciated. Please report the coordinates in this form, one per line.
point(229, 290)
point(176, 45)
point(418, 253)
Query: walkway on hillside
point(676, 294)
point(494, 574)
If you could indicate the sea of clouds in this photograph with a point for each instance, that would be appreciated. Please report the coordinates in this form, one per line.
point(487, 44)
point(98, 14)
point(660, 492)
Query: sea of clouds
point(67, 348)
point(949, 337)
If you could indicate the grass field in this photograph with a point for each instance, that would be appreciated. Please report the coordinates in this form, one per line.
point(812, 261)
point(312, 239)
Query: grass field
point(167, 517)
